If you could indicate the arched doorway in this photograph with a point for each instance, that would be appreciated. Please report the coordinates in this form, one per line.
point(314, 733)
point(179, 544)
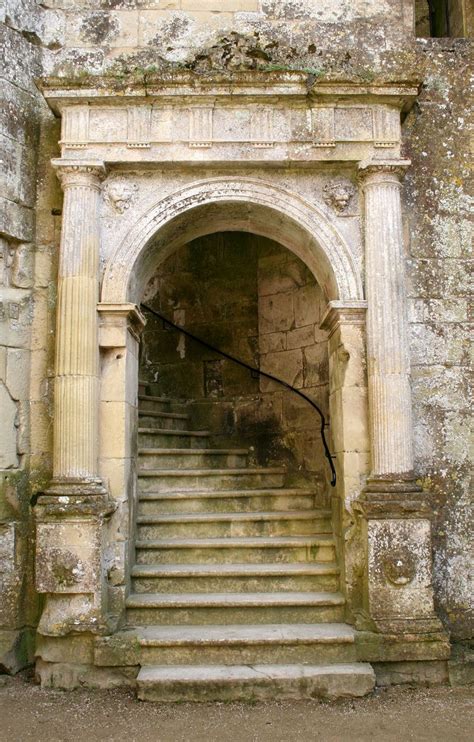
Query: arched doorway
point(304, 235)
point(115, 238)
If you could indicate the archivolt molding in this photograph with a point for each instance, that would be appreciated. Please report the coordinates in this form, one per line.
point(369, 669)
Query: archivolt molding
point(323, 249)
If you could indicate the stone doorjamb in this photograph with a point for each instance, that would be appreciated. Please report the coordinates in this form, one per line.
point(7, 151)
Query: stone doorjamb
point(120, 326)
point(345, 324)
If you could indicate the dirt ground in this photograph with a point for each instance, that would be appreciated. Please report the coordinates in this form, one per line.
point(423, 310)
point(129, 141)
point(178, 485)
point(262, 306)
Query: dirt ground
point(29, 713)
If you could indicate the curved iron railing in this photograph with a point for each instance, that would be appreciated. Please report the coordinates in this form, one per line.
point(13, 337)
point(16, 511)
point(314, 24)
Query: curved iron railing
point(254, 370)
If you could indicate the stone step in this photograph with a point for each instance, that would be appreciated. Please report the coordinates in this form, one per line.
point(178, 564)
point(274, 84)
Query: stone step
point(162, 438)
point(183, 458)
point(160, 420)
point(233, 608)
point(159, 404)
point(236, 550)
point(231, 644)
point(229, 501)
point(179, 480)
point(251, 683)
point(215, 525)
point(201, 578)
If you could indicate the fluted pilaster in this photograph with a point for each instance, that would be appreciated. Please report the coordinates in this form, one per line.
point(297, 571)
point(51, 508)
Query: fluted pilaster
point(387, 342)
point(76, 432)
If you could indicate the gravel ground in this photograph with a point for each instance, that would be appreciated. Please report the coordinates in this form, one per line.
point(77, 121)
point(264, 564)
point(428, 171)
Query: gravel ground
point(28, 712)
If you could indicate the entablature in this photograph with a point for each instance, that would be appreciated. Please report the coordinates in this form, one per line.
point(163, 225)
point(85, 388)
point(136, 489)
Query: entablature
point(263, 117)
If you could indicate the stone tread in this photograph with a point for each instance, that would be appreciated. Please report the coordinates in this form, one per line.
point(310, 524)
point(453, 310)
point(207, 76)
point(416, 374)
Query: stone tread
point(234, 570)
point(196, 494)
point(152, 398)
point(231, 673)
point(328, 633)
point(233, 517)
point(228, 682)
point(167, 415)
point(255, 542)
point(208, 472)
point(192, 451)
point(170, 432)
point(231, 600)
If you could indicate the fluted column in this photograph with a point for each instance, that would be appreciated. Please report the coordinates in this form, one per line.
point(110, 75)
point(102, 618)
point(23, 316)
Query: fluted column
point(76, 436)
point(387, 342)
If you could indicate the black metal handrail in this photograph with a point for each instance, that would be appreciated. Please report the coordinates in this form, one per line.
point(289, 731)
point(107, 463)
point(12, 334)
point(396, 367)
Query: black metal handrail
point(254, 370)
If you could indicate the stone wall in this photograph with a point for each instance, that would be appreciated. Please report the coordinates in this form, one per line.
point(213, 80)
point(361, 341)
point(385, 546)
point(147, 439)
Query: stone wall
point(123, 36)
point(294, 349)
point(438, 208)
point(209, 287)
point(19, 131)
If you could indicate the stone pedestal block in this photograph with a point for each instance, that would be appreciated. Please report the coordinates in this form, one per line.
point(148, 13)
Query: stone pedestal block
point(69, 564)
point(398, 592)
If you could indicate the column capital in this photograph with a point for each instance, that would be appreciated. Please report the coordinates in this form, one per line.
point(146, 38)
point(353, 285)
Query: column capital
point(379, 171)
point(117, 318)
point(88, 173)
point(343, 313)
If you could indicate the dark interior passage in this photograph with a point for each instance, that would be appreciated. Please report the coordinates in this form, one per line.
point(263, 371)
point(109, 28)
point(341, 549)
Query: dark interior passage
point(254, 299)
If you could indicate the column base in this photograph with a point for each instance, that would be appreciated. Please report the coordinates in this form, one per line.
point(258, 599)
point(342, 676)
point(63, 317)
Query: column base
point(411, 645)
point(90, 487)
point(394, 497)
point(398, 593)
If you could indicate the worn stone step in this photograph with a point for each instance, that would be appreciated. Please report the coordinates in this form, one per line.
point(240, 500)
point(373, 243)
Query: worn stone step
point(166, 420)
point(183, 458)
point(254, 682)
point(239, 550)
point(215, 525)
point(250, 501)
point(153, 578)
point(233, 608)
point(228, 644)
point(179, 480)
point(159, 404)
point(162, 438)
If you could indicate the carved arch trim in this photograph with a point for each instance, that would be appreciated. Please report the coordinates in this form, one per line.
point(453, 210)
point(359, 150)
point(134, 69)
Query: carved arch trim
point(258, 207)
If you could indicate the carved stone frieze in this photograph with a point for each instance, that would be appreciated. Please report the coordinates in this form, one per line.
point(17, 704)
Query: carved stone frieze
point(338, 122)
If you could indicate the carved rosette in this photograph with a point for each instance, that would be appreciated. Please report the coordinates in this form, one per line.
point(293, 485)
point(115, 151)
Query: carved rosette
point(399, 567)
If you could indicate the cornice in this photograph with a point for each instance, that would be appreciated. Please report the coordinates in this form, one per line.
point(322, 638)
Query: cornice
point(259, 85)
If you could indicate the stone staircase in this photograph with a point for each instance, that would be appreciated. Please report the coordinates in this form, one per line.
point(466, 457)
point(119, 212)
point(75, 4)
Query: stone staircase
point(235, 589)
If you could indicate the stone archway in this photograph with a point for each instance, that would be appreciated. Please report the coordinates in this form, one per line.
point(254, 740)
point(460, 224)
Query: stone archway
point(85, 518)
point(260, 208)
point(77, 502)
point(256, 206)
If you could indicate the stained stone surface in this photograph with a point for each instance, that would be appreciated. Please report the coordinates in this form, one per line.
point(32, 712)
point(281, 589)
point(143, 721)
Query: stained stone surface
point(239, 149)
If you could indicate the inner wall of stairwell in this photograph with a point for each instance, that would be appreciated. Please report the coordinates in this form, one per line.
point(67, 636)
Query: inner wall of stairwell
point(256, 300)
